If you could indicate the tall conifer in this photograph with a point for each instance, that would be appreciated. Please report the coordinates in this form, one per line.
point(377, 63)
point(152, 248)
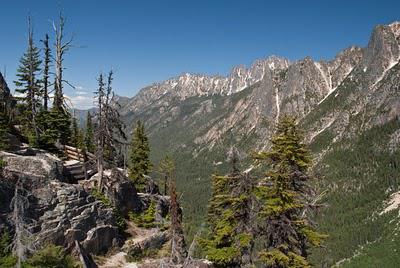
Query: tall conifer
point(284, 194)
point(139, 162)
point(109, 128)
point(89, 142)
point(230, 239)
point(61, 117)
point(29, 87)
point(166, 169)
point(46, 70)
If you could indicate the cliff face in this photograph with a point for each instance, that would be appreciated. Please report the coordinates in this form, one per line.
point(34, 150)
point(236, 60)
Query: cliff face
point(341, 103)
point(249, 101)
point(37, 203)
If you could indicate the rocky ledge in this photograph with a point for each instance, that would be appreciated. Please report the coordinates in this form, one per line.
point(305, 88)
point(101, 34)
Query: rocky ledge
point(33, 194)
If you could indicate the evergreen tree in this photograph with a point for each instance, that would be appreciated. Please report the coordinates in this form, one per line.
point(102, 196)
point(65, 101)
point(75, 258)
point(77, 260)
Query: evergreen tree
point(5, 113)
point(230, 239)
point(100, 129)
point(7, 260)
point(50, 256)
point(109, 127)
point(167, 169)
point(285, 197)
point(178, 245)
point(3, 130)
point(139, 162)
point(46, 69)
point(89, 133)
point(75, 132)
point(61, 118)
point(29, 87)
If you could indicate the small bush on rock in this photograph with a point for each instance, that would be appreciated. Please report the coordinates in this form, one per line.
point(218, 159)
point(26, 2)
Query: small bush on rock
point(51, 256)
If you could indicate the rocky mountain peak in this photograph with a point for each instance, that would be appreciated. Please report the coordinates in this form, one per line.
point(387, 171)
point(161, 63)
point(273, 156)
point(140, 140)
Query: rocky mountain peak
point(395, 27)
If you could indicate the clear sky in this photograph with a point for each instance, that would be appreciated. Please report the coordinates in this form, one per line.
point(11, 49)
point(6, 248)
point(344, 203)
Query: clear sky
point(149, 41)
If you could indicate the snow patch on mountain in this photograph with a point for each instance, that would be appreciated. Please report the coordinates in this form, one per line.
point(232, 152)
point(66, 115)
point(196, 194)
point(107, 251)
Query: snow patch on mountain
point(392, 204)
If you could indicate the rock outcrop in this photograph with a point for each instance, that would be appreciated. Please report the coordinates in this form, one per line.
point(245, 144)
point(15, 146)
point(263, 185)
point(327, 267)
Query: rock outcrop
point(119, 189)
point(53, 211)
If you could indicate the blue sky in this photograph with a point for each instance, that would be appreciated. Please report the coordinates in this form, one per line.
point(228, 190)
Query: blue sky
point(150, 41)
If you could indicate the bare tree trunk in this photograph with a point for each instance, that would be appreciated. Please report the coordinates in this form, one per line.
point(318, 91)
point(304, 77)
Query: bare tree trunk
point(22, 238)
point(61, 48)
point(178, 251)
point(100, 168)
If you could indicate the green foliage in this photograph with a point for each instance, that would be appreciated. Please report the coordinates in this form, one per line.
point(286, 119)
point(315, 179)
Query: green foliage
point(29, 87)
point(119, 219)
point(230, 232)
point(284, 194)
point(74, 132)
point(102, 197)
point(50, 256)
point(139, 162)
point(7, 260)
point(167, 170)
point(276, 258)
point(53, 126)
point(140, 255)
point(359, 173)
point(46, 69)
point(89, 138)
point(194, 174)
point(4, 127)
point(61, 124)
point(2, 164)
point(145, 219)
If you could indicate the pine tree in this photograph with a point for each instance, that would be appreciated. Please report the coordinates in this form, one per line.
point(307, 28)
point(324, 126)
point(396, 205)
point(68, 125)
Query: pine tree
point(115, 137)
point(29, 87)
point(100, 129)
point(139, 162)
point(3, 130)
point(89, 133)
point(61, 118)
point(284, 195)
point(75, 132)
point(46, 69)
point(230, 239)
point(109, 128)
point(5, 99)
point(178, 245)
point(167, 169)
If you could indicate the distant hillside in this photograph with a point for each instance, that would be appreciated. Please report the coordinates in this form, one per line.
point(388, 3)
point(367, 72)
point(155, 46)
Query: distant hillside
point(349, 107)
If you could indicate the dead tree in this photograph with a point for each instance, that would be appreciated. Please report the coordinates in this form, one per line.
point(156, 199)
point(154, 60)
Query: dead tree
point(61, 47)
point(23, 238)
point(47, 61)
point(178, 246)
point(109, 128)
point(100, 131)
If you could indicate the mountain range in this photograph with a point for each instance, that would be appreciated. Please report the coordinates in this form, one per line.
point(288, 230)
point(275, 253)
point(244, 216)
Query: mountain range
point(349, 110)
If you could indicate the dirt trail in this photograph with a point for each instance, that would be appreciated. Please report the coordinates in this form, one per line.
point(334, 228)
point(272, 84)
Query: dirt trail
point(118, 260)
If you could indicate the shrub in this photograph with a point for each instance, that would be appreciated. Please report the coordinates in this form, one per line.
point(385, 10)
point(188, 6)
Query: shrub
point(119, 220)
point(51, 256)
point(146, 218)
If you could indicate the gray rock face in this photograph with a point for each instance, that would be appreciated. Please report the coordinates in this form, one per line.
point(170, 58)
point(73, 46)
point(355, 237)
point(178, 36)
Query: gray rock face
point(249, 101)
point(118, 188)
point(55, 211)
point(162, 205)
point(153, 242)
point(191, 85)
point(122, 192)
